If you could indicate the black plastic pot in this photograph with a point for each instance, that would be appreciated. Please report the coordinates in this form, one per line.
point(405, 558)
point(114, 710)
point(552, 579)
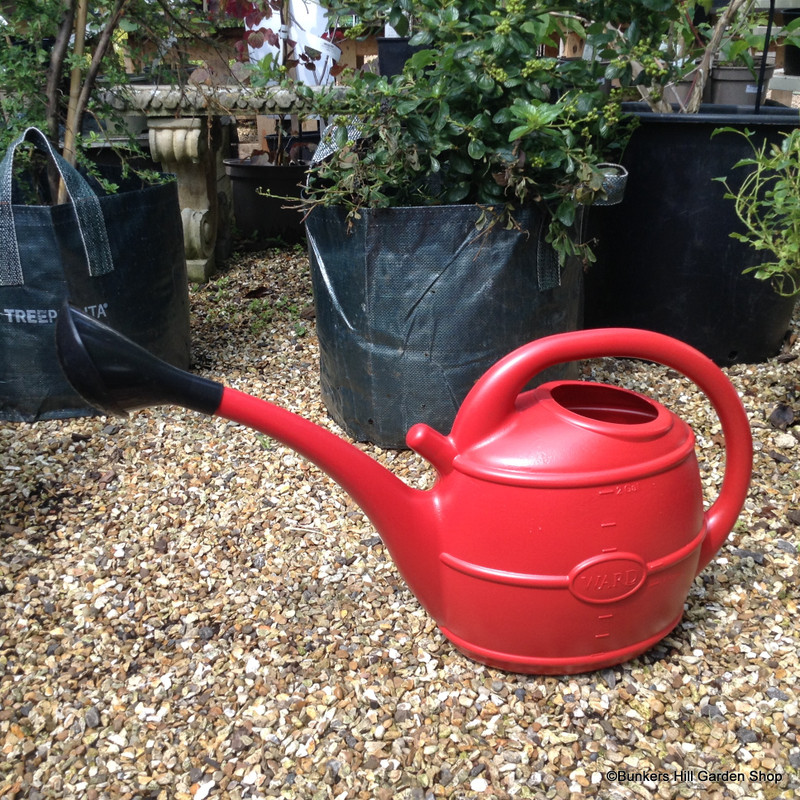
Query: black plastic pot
point(261, 217)
point(791, 53)
point(393, 52)
point(666, 260)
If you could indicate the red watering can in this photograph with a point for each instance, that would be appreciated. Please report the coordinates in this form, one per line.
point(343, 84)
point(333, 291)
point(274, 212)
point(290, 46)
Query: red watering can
point(566, 525)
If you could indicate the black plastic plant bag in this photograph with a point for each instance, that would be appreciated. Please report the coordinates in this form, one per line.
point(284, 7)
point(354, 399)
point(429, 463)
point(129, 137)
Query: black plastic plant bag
point(118, 256)
point(414, 304)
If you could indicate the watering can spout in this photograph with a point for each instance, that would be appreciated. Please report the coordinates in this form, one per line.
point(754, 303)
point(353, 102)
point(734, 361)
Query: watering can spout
point(116, 376)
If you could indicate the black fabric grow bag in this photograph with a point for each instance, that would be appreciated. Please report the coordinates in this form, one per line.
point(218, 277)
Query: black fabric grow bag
point(119, 257)
point(666, 260)
point(414, 305)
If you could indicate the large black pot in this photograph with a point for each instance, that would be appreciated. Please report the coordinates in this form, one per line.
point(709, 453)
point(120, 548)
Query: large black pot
point(263, 200)
point(666, 260)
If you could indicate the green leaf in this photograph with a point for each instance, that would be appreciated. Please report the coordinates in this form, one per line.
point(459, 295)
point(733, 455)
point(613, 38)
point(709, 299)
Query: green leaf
point(460, 164)
point(534, 116)
point(565, 213)
point(536, 28)
point(405, 107)
point(421, 38)
point(470, 72)
point(519, 132)
point(340, 137)
point(399, 21)
point(418, 129)
point(457, 192)
point(476, 149)
point(485, 83)
point(466, 50)
point(633, 32)
point(450, 14)
point(422, 59)
point(613, 71)
point(442, 115)
point(520, 43)
point(584, 103)
point(481, 122)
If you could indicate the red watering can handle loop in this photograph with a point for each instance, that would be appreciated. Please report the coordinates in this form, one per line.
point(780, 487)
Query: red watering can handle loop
point(493, 398)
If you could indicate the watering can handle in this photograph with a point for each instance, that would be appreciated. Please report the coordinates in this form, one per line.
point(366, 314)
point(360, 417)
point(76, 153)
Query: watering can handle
point(493, 398)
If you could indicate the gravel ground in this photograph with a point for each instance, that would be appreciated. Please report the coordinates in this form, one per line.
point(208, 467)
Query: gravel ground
point(189, 610)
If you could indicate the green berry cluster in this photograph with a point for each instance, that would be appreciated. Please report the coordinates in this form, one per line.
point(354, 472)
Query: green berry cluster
point(498, 73)
point(612, 113)
point(653, 67)
point(513, 8)
point(532, 66)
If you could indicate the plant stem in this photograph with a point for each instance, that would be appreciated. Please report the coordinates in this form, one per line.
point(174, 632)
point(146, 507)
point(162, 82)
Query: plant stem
point(74, 90)
point(730, 13)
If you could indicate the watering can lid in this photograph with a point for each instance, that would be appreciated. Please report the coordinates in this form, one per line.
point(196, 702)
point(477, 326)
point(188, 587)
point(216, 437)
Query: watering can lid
point(569, 433)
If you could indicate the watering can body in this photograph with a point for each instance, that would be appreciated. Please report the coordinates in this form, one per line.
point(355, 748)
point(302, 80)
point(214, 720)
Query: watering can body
point(579, 555)
point(566, 524)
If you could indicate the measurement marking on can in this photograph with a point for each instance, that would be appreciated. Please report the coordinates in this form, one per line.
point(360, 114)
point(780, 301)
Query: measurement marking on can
point(621, 488)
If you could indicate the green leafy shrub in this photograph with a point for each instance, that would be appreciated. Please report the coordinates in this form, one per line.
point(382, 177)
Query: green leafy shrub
point(481, 115)
point(768, 205)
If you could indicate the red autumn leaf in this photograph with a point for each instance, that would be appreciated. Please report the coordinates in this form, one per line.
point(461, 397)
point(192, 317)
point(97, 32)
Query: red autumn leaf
point(256, 39)
point(256, 17)
point(238, 8)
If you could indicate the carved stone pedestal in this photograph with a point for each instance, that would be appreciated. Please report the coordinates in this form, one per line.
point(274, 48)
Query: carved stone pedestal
point(188, 137)
point(187, 148)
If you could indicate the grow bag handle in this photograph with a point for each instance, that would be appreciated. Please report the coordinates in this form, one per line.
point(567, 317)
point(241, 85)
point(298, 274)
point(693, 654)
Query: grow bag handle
point(85, 204)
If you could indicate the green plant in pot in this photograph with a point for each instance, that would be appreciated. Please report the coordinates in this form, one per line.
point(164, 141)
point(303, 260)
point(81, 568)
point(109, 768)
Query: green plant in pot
point(666, 257)
point(390, 23)
point(739, 68)
point(477, 117)
point(268, 179)
point(708, 43)
point(473, 168)
point(768, 204)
